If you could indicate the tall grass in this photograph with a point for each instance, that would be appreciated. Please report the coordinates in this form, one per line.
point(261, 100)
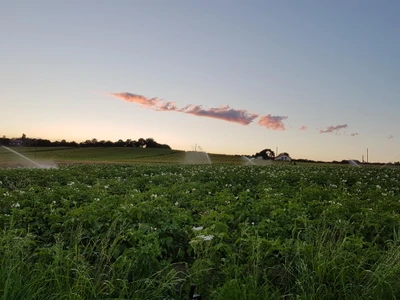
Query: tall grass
point(78, 272)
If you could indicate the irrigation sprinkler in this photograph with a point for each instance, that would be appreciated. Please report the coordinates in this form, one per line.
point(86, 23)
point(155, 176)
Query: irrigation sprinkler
point(199, 156)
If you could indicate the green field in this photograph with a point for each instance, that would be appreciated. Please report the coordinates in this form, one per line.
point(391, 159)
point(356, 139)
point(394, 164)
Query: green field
point(147, 231)
point(63, 155)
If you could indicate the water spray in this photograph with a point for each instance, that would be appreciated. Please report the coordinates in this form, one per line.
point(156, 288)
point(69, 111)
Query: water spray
point(249, 161)
point(24, 157)
point(199, 156)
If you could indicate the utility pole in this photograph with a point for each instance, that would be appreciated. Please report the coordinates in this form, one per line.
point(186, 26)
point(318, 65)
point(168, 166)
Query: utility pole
point(367, 155)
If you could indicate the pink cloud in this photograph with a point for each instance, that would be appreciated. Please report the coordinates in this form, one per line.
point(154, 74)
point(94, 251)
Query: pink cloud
point(333, 128)
point(390, 137)
point(303, 128)
point(272, 122)
point(225, 113)
point(354, 134)
point(155, 103)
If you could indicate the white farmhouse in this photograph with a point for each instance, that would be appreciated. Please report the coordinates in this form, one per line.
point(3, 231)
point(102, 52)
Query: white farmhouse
point(283, 157)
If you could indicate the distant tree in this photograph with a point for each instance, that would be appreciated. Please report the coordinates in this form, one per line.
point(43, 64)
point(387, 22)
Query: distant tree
point(265, 154)
point(119, 143)
point(304, 160)
point(28, 142)
point(165, 146)
point(86, 143)
point(4, 141)
point(151, 143)
point(142, 142)
point(43, 143)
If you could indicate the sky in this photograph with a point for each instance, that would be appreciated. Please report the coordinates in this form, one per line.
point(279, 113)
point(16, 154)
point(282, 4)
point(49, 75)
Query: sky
point(317, 79)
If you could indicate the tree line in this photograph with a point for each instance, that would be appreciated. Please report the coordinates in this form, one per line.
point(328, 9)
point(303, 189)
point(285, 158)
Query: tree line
point(34, 142)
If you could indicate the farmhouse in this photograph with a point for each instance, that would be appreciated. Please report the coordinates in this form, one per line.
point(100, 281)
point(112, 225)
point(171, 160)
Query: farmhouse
point(283, 156)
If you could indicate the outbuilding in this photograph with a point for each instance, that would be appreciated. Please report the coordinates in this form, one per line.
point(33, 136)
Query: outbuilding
point(283, 157)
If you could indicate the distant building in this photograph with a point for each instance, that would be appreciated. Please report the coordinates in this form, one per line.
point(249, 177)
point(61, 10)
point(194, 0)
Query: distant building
point(283, 157)
point(16, 143)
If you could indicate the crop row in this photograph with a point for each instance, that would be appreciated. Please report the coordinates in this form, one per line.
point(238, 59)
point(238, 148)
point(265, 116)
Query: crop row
point(238, 232)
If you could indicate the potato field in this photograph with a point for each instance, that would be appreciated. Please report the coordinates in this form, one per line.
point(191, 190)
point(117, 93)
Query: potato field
point(237, 232)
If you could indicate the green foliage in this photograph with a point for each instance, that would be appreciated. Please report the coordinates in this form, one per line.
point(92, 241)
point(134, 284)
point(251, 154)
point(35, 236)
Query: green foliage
point(237, 232)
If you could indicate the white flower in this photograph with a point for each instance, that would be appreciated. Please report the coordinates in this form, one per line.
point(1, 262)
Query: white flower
point(378, 186)
point(15, 205)
point(176, 203)
point(206, 237)
point(198, 228)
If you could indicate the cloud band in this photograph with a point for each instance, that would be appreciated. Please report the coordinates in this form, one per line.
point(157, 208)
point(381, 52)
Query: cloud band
point(225, 113)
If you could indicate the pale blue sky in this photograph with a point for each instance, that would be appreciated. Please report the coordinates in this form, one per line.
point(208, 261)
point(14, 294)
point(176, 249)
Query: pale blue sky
point(318, 63)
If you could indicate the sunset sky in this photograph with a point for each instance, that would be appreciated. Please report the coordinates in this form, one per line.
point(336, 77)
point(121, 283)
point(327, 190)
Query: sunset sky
point(317, 79)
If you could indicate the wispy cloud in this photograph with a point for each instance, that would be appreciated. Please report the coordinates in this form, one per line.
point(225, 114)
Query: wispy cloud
point(303, 128)
point(354, 134)
point(333, 128)
point(225, 113)
point(390, 137)
point(272, 122)
point(155, 103)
